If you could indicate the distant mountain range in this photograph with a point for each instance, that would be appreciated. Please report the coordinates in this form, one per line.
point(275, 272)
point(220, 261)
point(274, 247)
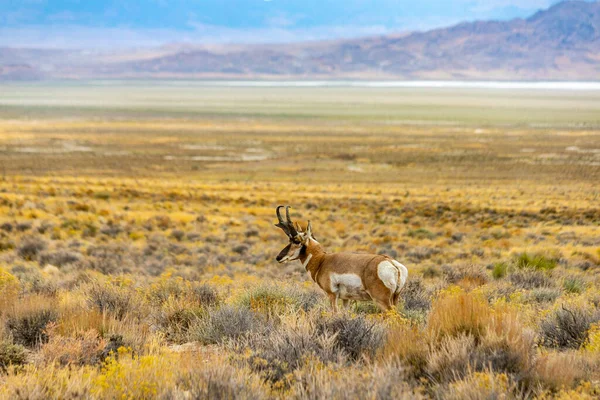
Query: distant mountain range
point(560, 43)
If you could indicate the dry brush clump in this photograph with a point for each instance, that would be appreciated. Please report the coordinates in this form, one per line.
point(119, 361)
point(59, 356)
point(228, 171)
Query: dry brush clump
point(28, 319)
point(463, 335)
point(567, 326)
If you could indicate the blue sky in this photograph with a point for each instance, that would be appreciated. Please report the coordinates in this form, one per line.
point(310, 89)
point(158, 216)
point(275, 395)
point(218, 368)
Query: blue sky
point(110, 23)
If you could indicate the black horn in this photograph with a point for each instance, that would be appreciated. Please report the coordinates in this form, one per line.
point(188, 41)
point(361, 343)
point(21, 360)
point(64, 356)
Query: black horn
point(293, 232)
point(282, 224)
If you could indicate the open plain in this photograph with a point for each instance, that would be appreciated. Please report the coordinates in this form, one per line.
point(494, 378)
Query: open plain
point(137, 246)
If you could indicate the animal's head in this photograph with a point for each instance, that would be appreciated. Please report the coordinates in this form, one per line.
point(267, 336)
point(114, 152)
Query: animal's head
point(298, 239)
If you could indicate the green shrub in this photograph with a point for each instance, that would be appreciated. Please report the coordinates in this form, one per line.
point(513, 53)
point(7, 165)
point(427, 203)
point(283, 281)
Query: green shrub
point(11, 354)
point(574, 285)
point(500, 270)
point(273, 300)
point(537, 262)
point(365, 307)
point(420, 233)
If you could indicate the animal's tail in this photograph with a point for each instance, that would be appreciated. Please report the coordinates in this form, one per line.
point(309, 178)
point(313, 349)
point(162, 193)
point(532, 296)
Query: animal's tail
point(402, 275)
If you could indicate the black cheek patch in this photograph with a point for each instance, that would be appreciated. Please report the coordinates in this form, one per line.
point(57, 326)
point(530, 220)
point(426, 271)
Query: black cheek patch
point(303, 251)
point(283, 252)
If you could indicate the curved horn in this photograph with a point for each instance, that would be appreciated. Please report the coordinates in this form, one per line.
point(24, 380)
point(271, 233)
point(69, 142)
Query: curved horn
point(290, 224)
point(282, 224)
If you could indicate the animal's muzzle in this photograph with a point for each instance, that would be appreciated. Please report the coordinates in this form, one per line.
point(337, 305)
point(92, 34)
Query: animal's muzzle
point(283, 253)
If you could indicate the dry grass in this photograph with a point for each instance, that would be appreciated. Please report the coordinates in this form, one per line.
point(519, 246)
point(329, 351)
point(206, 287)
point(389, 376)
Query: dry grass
point(144, 267)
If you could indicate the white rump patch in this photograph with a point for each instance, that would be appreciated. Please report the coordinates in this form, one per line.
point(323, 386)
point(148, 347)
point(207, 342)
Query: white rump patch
point(392, 274)
point(388, 273)
point(403, 274)
point(345, 284)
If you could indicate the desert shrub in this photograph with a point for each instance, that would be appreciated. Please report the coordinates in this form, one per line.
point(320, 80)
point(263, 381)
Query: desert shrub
point(168, 287)
point(175, 317)
point(9, 289)
point(6, 227)
point(111, 349)
point(505, 347)
point(44, 227)
point(530, 279)
point(6, 244)
point(219, 382)
point(451, 359)
point(455, 312)
point(384, 381)
point(421, 253)
point(11, 355)
point(567, 326)
point(177, 234)
point(365, 307)
point(499, 271)
point(415, 296)
point(431, 272)
point(557, 371)
point(128, 377)
point(59, 258)
point(47, 382)
point(193, 236)
point(23, 226)
point(30, 247)
point(543, 295)
point(205, 294)
point(27, 320)
point(281, 351)
point(355, 337)
point(271, 300)
point(240, 248)
point(482, 385)
point(104, 195)
point(538, 262)
point(574, 284)
point(408, 344)
point(223, 324)
point(111, 229)
point(508, 346)
point(420, 233)
point(108, 259)
point(112, 297)
point(465, 275)
point(83, 349)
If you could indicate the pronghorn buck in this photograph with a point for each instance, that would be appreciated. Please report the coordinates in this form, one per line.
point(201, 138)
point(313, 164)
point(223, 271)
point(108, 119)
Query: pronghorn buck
point(345, 276)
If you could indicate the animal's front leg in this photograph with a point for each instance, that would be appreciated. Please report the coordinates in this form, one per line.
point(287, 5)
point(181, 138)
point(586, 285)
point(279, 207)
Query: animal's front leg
point(333, 299)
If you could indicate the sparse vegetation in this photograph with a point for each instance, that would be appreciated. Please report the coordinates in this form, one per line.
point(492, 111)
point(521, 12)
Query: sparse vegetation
point(144, 267)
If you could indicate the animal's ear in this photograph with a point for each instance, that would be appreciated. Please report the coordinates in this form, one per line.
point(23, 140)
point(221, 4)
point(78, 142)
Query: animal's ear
point(309, 230)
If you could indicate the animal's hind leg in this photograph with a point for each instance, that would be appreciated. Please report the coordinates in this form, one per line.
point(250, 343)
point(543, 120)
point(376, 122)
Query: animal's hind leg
point(333, 300)
point(396, 298)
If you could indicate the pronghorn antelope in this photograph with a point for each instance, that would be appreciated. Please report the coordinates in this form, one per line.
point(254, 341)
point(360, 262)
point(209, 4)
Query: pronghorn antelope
point(345, 276)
